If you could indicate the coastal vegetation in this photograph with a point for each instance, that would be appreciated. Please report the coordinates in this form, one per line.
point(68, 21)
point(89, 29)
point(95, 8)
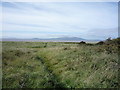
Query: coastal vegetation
point(60, 64)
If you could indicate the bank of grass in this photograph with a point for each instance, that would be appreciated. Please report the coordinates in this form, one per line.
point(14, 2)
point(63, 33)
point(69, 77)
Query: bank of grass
point(59, 64)
point(83, 66)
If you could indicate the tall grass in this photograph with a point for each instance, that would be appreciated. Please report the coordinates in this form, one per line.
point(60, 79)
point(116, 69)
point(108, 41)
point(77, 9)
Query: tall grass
point(59, 64)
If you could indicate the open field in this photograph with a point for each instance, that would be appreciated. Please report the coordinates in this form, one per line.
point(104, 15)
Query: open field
point(59, 65)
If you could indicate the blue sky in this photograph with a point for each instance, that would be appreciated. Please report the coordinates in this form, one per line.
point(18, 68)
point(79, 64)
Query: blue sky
point(88, 20)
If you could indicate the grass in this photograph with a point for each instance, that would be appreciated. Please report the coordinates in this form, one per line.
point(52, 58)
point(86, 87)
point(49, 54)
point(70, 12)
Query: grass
point(59, 65)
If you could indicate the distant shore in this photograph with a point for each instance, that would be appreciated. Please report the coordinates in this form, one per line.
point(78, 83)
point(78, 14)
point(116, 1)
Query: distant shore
point(31, 40)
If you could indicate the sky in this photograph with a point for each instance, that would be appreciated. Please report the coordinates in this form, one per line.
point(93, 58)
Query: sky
point(88, 20)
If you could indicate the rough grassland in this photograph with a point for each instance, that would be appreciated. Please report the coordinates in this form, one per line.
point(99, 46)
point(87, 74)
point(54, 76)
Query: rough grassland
point(59, 65)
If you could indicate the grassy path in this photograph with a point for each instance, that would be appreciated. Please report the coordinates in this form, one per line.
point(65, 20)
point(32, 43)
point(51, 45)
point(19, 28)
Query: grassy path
point(53, 78)
point(29, 71)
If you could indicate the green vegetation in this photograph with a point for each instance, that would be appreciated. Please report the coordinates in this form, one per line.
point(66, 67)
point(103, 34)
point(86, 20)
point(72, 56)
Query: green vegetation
point(60, 65)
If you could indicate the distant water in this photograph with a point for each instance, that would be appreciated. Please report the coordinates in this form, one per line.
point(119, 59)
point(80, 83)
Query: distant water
point(35, 40)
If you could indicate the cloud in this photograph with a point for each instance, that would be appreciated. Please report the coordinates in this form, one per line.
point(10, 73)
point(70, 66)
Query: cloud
point(47, 19)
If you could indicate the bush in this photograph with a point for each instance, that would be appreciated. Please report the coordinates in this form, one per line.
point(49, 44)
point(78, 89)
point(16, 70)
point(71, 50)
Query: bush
point(82, 42)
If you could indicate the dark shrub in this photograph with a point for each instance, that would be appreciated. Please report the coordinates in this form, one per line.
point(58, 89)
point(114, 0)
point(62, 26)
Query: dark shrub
point(18, 53)
point(116, 41)
point(45, 45)
point(11, 55)
point(110, 41)
point(82, 42)
point(65, 48)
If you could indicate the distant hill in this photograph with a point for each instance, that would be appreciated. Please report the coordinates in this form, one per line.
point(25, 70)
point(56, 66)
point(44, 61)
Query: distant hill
point(62, 39)
point(67, 38)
